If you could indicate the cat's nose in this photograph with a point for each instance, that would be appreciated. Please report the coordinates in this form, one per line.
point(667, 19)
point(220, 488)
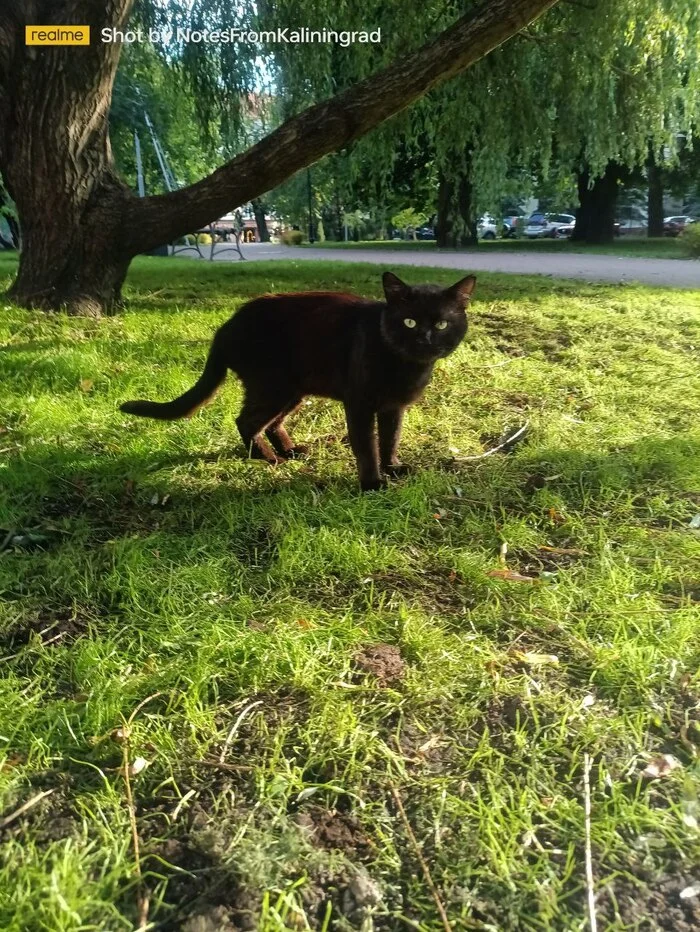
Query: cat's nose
point(427, 336)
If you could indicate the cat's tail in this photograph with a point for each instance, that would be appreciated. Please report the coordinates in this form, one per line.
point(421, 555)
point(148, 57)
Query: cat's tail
point(193, 399)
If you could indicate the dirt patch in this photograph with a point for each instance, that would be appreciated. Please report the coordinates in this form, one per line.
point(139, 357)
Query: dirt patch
point(436, 590)
point(203, 893)
point(518, 400)
point(53, 628)
point(681, 591)
point(545, 559)
point(383, 661)
point(336, 831)
point(654, 906)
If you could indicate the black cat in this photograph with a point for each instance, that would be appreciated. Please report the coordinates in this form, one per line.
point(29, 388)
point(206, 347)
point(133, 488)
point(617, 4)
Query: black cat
point(375, 357)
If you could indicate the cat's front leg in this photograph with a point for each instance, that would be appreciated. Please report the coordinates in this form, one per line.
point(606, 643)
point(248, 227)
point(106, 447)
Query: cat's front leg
point(360, 420)
point(389, 423)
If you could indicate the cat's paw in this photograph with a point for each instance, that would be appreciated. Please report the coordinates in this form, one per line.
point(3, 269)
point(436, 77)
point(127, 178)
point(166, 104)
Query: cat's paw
point(399, 470)
point(373, 485)
point(298, 452)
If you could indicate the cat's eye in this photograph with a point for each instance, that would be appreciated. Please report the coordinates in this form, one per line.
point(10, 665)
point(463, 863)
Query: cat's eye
point(441, 325)
point(410, 322)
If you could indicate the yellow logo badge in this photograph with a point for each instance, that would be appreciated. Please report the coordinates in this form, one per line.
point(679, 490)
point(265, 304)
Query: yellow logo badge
point(57, 35)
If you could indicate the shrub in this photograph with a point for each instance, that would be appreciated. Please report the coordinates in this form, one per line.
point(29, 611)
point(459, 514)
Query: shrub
point(292, 237)
point(690, 239)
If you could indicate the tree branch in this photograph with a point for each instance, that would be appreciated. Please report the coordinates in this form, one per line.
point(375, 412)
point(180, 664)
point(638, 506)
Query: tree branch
point(328, 126)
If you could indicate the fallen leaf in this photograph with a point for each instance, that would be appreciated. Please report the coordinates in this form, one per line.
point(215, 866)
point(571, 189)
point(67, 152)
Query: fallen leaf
point(86, 385)
point(137, 765)
point(555, 516)
point(587, 701)
point(694, 522)
point(661, 766)
point(304, 623)
point(533, 659)
point(511, 576)
point(154, 499)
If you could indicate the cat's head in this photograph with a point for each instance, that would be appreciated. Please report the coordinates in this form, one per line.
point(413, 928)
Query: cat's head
point(425, 322)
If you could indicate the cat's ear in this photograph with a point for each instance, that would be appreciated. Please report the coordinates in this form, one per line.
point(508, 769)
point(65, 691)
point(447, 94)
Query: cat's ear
point(462, 291)
point(394, 288)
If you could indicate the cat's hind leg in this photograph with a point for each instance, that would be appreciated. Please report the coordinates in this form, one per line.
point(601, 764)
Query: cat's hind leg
point(278, 436)
point(258, 413)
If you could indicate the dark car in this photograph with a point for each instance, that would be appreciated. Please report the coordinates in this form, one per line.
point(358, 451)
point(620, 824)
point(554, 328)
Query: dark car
point(674, 226)
point(425, 233)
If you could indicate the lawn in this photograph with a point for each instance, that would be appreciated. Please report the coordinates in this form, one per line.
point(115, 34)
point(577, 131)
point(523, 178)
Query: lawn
point(625, 246)
point(301, 687)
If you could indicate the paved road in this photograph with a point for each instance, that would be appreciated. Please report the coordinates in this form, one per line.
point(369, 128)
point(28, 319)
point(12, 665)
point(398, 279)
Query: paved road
point(678, 273)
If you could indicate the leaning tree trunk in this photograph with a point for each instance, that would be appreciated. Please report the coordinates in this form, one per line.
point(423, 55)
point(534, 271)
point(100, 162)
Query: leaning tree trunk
point(655, 196)
point(80, 224)
point(595, 217)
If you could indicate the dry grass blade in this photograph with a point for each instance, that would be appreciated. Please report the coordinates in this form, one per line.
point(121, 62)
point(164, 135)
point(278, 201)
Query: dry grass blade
point(421, 860)
point(590, 893)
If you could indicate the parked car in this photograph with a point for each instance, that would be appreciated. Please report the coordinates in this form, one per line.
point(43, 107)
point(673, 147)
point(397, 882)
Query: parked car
point(487, 227)
point(674, 226)
point(425, 233)
point(552, 226)
point(510, 225)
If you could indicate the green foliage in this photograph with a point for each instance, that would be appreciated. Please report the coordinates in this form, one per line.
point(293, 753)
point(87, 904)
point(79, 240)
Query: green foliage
point(409, 219)
point(292, 237)
point(238, 597)
point(690, 239)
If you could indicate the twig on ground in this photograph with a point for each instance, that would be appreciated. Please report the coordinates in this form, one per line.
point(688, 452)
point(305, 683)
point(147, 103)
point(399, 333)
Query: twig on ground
point(25, 807)
point(505, 444)
point(421, 860)
point(589, 856)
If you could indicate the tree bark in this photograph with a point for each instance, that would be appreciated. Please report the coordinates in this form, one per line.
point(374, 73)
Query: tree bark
point(655, 196)
point(456, 224)
point(56, 159)
point(81, 225)
point(260, 221)
point(595, 216)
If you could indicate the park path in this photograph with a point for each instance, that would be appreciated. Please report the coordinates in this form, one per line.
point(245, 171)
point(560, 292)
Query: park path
point(678, 273)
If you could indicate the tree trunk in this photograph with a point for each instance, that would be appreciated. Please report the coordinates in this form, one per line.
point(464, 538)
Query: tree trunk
point(456, 225)
point(57, 162)
point(595, 216)
point(655, 196)
point(260, 221)
point(81, 225)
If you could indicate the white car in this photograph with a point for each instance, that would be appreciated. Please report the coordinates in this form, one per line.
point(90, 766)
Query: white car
point(552, 226)
point(487, 228)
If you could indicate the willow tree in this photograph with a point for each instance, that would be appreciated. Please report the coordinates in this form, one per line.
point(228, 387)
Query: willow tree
point(81, 224)
point(582, 96)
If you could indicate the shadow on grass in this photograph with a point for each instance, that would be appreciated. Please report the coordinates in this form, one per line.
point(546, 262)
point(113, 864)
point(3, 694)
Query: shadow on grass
point(74, 483)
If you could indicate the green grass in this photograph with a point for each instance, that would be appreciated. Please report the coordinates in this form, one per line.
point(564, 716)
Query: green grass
point(165, 565)
point(625, 246)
